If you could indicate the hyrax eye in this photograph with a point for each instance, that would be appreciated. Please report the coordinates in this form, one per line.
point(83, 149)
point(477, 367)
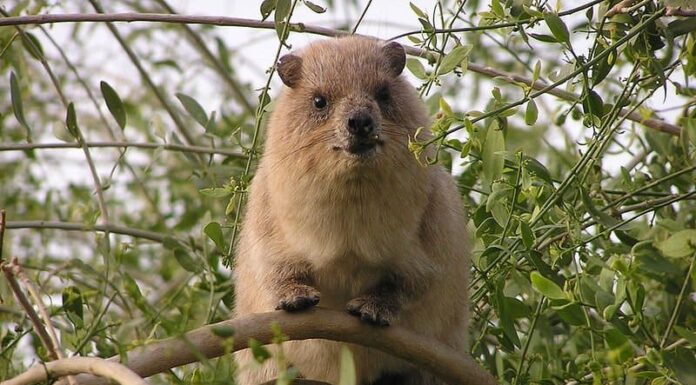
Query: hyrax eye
point(383, 94)
point(320, 102)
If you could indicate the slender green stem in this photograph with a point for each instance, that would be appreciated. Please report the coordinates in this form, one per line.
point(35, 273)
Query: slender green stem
point(530, 334)
point(680, 300)
point(260, 111)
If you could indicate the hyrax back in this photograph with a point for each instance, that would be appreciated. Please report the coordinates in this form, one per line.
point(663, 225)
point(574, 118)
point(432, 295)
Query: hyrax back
point(342, 215)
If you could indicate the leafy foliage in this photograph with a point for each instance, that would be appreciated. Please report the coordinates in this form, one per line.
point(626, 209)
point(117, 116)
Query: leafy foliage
point(571, 132)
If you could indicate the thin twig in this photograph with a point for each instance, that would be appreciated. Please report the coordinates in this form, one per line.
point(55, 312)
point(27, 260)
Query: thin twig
point(679, 11)
point(90, 162)
point(656, 124)
point(680, 299)
point(55, 346)
point(362, 16)
point(260, 112)
point(237, 91)
point(72, 226)
point(173, 114)
point(496, 26)
point(620, 7)
point(588, 377)
point(2, 232)
point(39, 328)
point(35, 50)
point(154, 146)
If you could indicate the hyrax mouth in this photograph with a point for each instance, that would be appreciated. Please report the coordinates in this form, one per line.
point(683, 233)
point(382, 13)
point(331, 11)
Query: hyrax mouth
point(363, 136)
point(362, 146)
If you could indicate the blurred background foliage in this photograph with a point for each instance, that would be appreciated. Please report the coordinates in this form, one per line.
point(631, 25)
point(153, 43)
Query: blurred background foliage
point(126, 150)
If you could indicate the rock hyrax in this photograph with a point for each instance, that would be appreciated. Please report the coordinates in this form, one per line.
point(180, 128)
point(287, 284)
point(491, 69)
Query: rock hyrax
point(341, 214)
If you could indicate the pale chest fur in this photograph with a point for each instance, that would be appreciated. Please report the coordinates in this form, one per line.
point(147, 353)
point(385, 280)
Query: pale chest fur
point(367, 219)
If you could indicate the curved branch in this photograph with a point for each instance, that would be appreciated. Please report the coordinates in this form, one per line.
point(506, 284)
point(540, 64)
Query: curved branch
point(76, 365)
point(451, 365)
point(656, 124)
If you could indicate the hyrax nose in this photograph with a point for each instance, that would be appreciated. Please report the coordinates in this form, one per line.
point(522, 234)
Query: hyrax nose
point(361, 124)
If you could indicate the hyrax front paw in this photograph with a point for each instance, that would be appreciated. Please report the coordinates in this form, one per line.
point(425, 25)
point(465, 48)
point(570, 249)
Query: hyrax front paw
point(372, 309)
point(298, 297)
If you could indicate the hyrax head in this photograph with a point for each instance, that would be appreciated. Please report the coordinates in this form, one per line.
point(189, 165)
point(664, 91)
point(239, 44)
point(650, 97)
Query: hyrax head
point(346, 95)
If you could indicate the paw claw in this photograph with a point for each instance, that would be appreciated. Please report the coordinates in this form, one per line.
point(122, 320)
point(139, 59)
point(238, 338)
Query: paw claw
point(300, 299)
point(371, 310)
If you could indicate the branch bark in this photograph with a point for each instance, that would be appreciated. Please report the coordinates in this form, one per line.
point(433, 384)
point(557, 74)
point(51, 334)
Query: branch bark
point(146, 145)
point(656, 124)
point(452, 366)
point(73, 226)
point(76, 365)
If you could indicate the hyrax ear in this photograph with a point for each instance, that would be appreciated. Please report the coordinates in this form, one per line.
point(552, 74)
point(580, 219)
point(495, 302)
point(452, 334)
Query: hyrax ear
point(289, 68)
point(395, 56)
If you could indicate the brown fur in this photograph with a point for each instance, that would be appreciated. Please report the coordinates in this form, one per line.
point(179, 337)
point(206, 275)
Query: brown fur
point(380, 236)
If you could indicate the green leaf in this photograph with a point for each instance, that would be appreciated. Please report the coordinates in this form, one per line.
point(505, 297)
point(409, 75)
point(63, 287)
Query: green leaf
point(536, 169)
point(222, 331)
point(416, 68)
point(133, 291)
point(546, 286)
point(680, 244)
point(194, 109)
point(315, 8)
point(505, 315)
point(492, 153)
point(527, 235)
point(537, 71)
point(73, 306)
point(571, 313)
point(453, 59)
point(593, 104)
point(347, 374)
point(682, 26)
point(267, 7)
point(557, 27)
point(418, 11)
point(531, 114)
point(216, 192)
point(543, 38)
point(650, 260)
point(600, 216)
point(186, 261)
point(32, 45)
point(282, 12)
point(71, 121)
point(683, 362)
point(214, 231)
point(259, 352)
point(17, 107)
point(114, 104)
point(686, 334)
point(171, 243)
point(619, 344)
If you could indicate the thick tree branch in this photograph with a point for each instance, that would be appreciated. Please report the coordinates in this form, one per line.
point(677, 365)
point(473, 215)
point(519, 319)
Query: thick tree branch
point(679, 11)
point(453, 366)
point(656, 124)
point(76, 365)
